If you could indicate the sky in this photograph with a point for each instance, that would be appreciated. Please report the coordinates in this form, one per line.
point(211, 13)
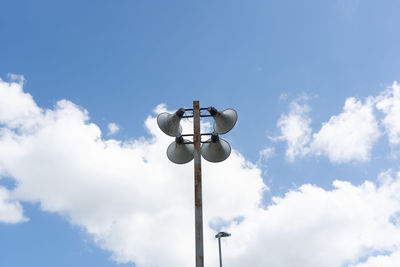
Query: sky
point(314, 175)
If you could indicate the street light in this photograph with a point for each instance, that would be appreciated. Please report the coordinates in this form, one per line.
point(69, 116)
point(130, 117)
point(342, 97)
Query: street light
point(182, 151)
point(219, 235)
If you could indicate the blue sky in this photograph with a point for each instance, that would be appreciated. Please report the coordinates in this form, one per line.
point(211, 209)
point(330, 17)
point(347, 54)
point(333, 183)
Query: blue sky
point(287, 67)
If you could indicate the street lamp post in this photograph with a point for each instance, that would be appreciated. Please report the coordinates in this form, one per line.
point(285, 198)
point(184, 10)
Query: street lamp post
point(183, 151)
point(219, 235)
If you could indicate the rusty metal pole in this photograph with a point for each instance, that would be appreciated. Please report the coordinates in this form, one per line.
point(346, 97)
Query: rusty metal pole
point(198, 201)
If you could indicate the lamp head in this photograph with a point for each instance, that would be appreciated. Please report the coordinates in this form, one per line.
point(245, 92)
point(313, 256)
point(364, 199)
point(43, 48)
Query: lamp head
point(222, 234)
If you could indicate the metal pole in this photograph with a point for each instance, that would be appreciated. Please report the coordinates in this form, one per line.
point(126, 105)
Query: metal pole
point(220, 256)
point(198, 202)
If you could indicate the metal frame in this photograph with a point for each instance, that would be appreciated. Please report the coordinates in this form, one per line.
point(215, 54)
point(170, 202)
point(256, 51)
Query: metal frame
point(201, 134)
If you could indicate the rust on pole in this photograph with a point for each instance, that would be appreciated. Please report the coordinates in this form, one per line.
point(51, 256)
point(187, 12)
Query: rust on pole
point(198, 201)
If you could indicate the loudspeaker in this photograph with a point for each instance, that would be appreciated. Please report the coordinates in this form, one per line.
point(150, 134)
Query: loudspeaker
point(170, 123)
point(216, 150)
point(179, 152)
point(223, 120)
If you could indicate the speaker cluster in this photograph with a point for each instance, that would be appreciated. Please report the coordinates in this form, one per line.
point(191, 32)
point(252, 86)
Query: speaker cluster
point(215, 149)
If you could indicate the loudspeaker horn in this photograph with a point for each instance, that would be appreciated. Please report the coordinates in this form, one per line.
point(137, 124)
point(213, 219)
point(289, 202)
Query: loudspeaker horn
point(223, 120)
point(170, 123)
point(216, 150)
point(180, 152)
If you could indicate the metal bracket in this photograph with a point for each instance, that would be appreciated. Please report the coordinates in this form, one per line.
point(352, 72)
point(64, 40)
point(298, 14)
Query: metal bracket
point(201, 115)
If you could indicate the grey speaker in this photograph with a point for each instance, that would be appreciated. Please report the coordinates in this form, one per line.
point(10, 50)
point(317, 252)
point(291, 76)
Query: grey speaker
point(170, 123)
point(216, 150)
point(223, 120)
point(179, 152)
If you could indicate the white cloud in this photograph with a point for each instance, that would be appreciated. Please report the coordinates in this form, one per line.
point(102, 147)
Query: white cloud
point(137, 204)
point(295, 129)
point(10, 210)
point(349, 135)
point(391, 260)
point(113, 128)
point(283, 96)
point(314, 227)
point(17, 109)
point(389, 103)
point(266, 153)
point(16, 77)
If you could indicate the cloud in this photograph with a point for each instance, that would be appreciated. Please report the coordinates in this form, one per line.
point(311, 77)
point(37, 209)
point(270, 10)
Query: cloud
point(389, 103)
point(113, 128)
point(17, 109)
point(347, 136)
point(295, 129)
point(314, 227)
point(10, 210)
point(266, 153)
point(137, 204)
point(381, 260)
